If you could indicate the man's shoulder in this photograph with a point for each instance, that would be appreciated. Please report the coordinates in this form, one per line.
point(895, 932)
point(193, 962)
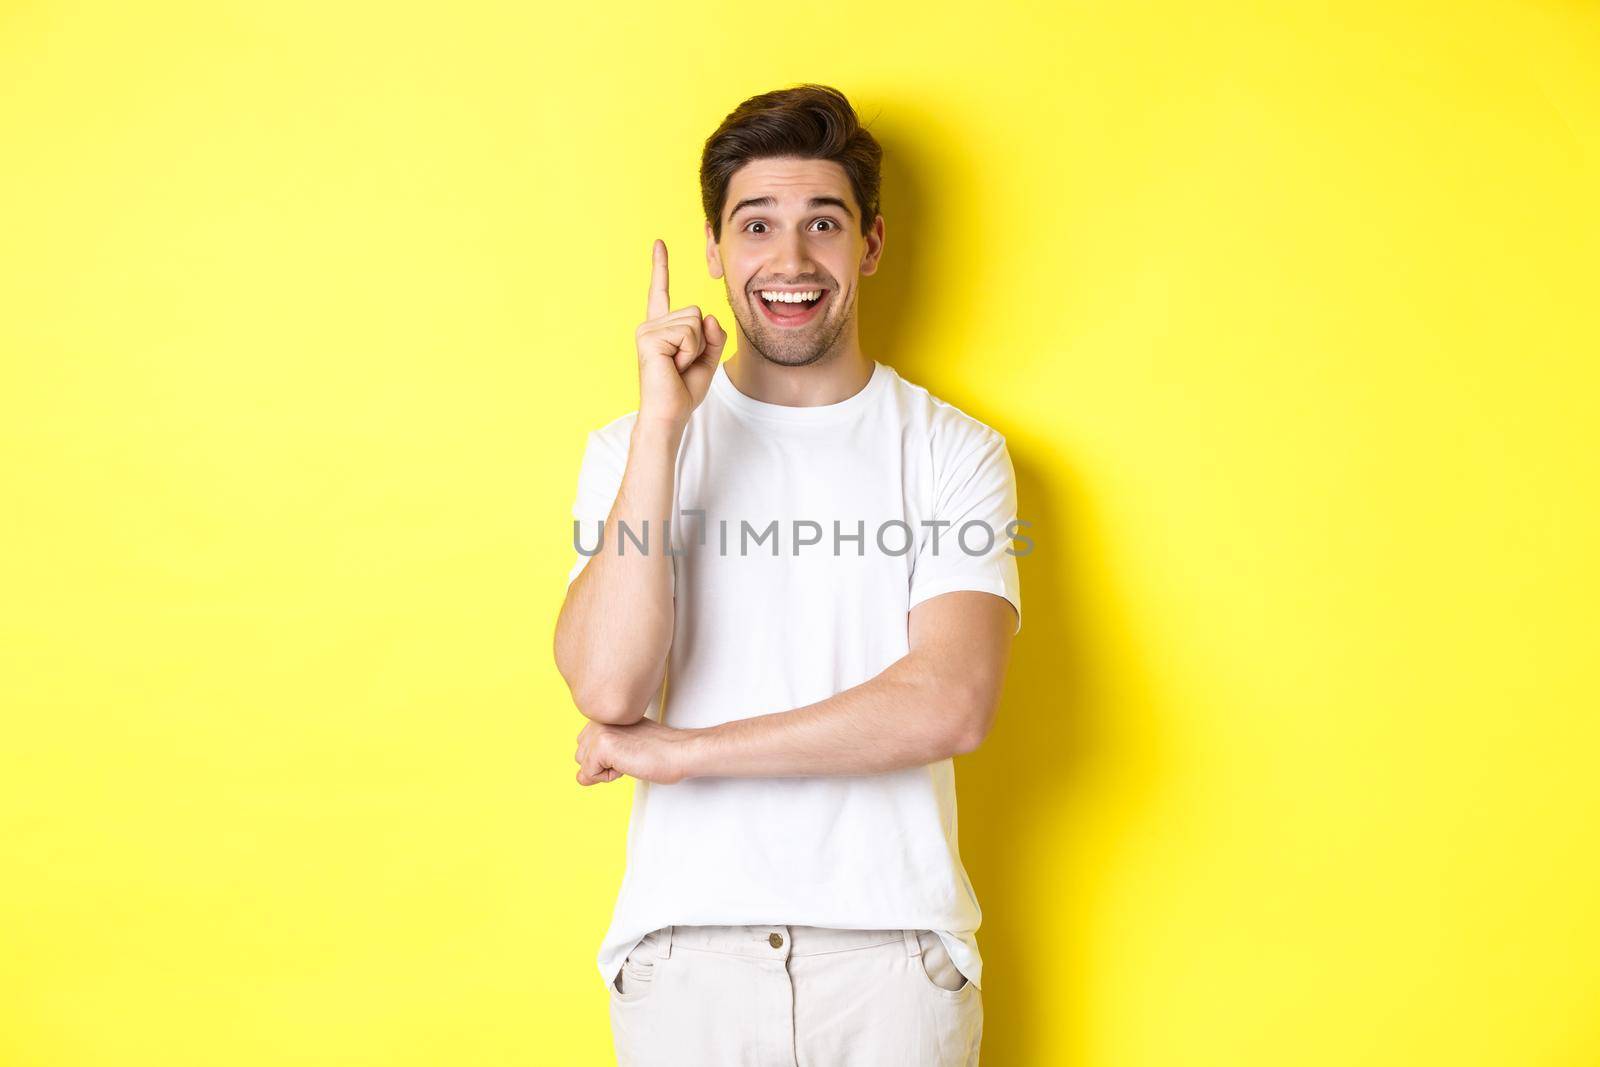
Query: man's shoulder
point(950, 428)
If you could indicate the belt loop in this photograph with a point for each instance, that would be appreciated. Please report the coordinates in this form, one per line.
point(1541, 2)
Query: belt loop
point(664, 943)
point(913, 946)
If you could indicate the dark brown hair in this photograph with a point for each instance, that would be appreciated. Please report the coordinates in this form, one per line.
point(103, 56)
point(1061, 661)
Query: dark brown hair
point(808, 121)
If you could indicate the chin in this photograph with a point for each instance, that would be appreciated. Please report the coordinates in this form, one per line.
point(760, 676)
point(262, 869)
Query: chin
point(784, 358)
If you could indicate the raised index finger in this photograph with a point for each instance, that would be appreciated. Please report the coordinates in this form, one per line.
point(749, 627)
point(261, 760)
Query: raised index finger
point(658, 305)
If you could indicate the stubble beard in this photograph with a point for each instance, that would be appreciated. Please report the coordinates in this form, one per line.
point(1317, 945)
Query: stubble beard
point(774, 345)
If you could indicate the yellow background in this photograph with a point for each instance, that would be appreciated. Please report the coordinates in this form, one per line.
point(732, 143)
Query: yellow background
point(1287, 315)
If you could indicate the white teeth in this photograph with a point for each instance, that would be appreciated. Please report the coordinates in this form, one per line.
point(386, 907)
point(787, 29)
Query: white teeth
point(792, 298)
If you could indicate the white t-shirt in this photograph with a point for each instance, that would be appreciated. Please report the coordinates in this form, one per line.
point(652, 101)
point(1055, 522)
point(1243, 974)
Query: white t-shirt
point(758, 633)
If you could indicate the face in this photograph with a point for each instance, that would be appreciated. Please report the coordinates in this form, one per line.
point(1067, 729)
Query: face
point(793, 226)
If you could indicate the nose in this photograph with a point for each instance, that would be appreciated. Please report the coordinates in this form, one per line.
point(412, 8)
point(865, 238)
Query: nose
point(792, 258)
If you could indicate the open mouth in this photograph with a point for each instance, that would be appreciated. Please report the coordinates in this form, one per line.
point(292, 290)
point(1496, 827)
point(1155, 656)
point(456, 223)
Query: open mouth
point(790, 309)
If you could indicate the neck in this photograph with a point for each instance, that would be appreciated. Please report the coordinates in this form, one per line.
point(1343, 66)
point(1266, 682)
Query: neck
point(828, 381)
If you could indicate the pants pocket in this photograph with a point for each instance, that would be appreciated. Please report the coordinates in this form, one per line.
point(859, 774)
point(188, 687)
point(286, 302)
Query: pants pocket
point(937, 966)
point(638, 971)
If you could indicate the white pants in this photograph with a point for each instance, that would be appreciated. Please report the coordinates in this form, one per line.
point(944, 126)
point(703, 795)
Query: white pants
point(793, 996)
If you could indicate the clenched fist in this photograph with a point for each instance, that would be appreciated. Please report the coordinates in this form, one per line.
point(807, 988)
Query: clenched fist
point(646, 750)
point(678, 352)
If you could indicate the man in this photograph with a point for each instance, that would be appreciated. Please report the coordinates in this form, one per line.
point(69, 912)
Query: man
point(831, 609)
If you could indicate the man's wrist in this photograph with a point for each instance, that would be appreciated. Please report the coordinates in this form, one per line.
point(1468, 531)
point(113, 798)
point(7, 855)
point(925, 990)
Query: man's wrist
point(694, 751)
point(651, 431)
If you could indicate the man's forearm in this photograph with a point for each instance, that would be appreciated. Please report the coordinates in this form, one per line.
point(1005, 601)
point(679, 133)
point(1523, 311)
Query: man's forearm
point(907, 716)
point(616, 625)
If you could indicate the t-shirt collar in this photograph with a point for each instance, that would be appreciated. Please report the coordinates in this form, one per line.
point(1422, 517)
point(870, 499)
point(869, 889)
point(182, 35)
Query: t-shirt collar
point(724, 389)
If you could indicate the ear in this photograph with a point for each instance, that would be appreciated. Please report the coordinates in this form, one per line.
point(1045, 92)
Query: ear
point(869, 262)
point(713, 254)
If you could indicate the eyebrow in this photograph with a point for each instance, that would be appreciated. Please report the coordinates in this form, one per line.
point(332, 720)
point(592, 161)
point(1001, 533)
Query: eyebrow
point(767, 201)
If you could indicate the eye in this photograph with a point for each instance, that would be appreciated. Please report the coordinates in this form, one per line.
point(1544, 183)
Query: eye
point(830, 223)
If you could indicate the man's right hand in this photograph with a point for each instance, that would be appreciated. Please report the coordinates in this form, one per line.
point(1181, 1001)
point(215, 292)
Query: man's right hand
point(678, 352)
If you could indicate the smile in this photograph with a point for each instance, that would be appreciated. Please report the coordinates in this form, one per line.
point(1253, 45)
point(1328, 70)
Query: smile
point(790, 311)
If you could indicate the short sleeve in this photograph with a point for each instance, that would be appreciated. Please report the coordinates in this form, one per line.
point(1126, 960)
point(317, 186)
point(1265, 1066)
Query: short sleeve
point(605, 459)
point(599, 478)
point(974, 508)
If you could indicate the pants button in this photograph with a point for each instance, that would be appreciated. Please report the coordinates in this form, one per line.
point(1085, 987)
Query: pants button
point(775, 940)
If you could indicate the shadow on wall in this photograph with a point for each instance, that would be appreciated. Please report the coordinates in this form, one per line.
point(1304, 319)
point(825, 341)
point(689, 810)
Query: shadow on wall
point(1049, 799)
